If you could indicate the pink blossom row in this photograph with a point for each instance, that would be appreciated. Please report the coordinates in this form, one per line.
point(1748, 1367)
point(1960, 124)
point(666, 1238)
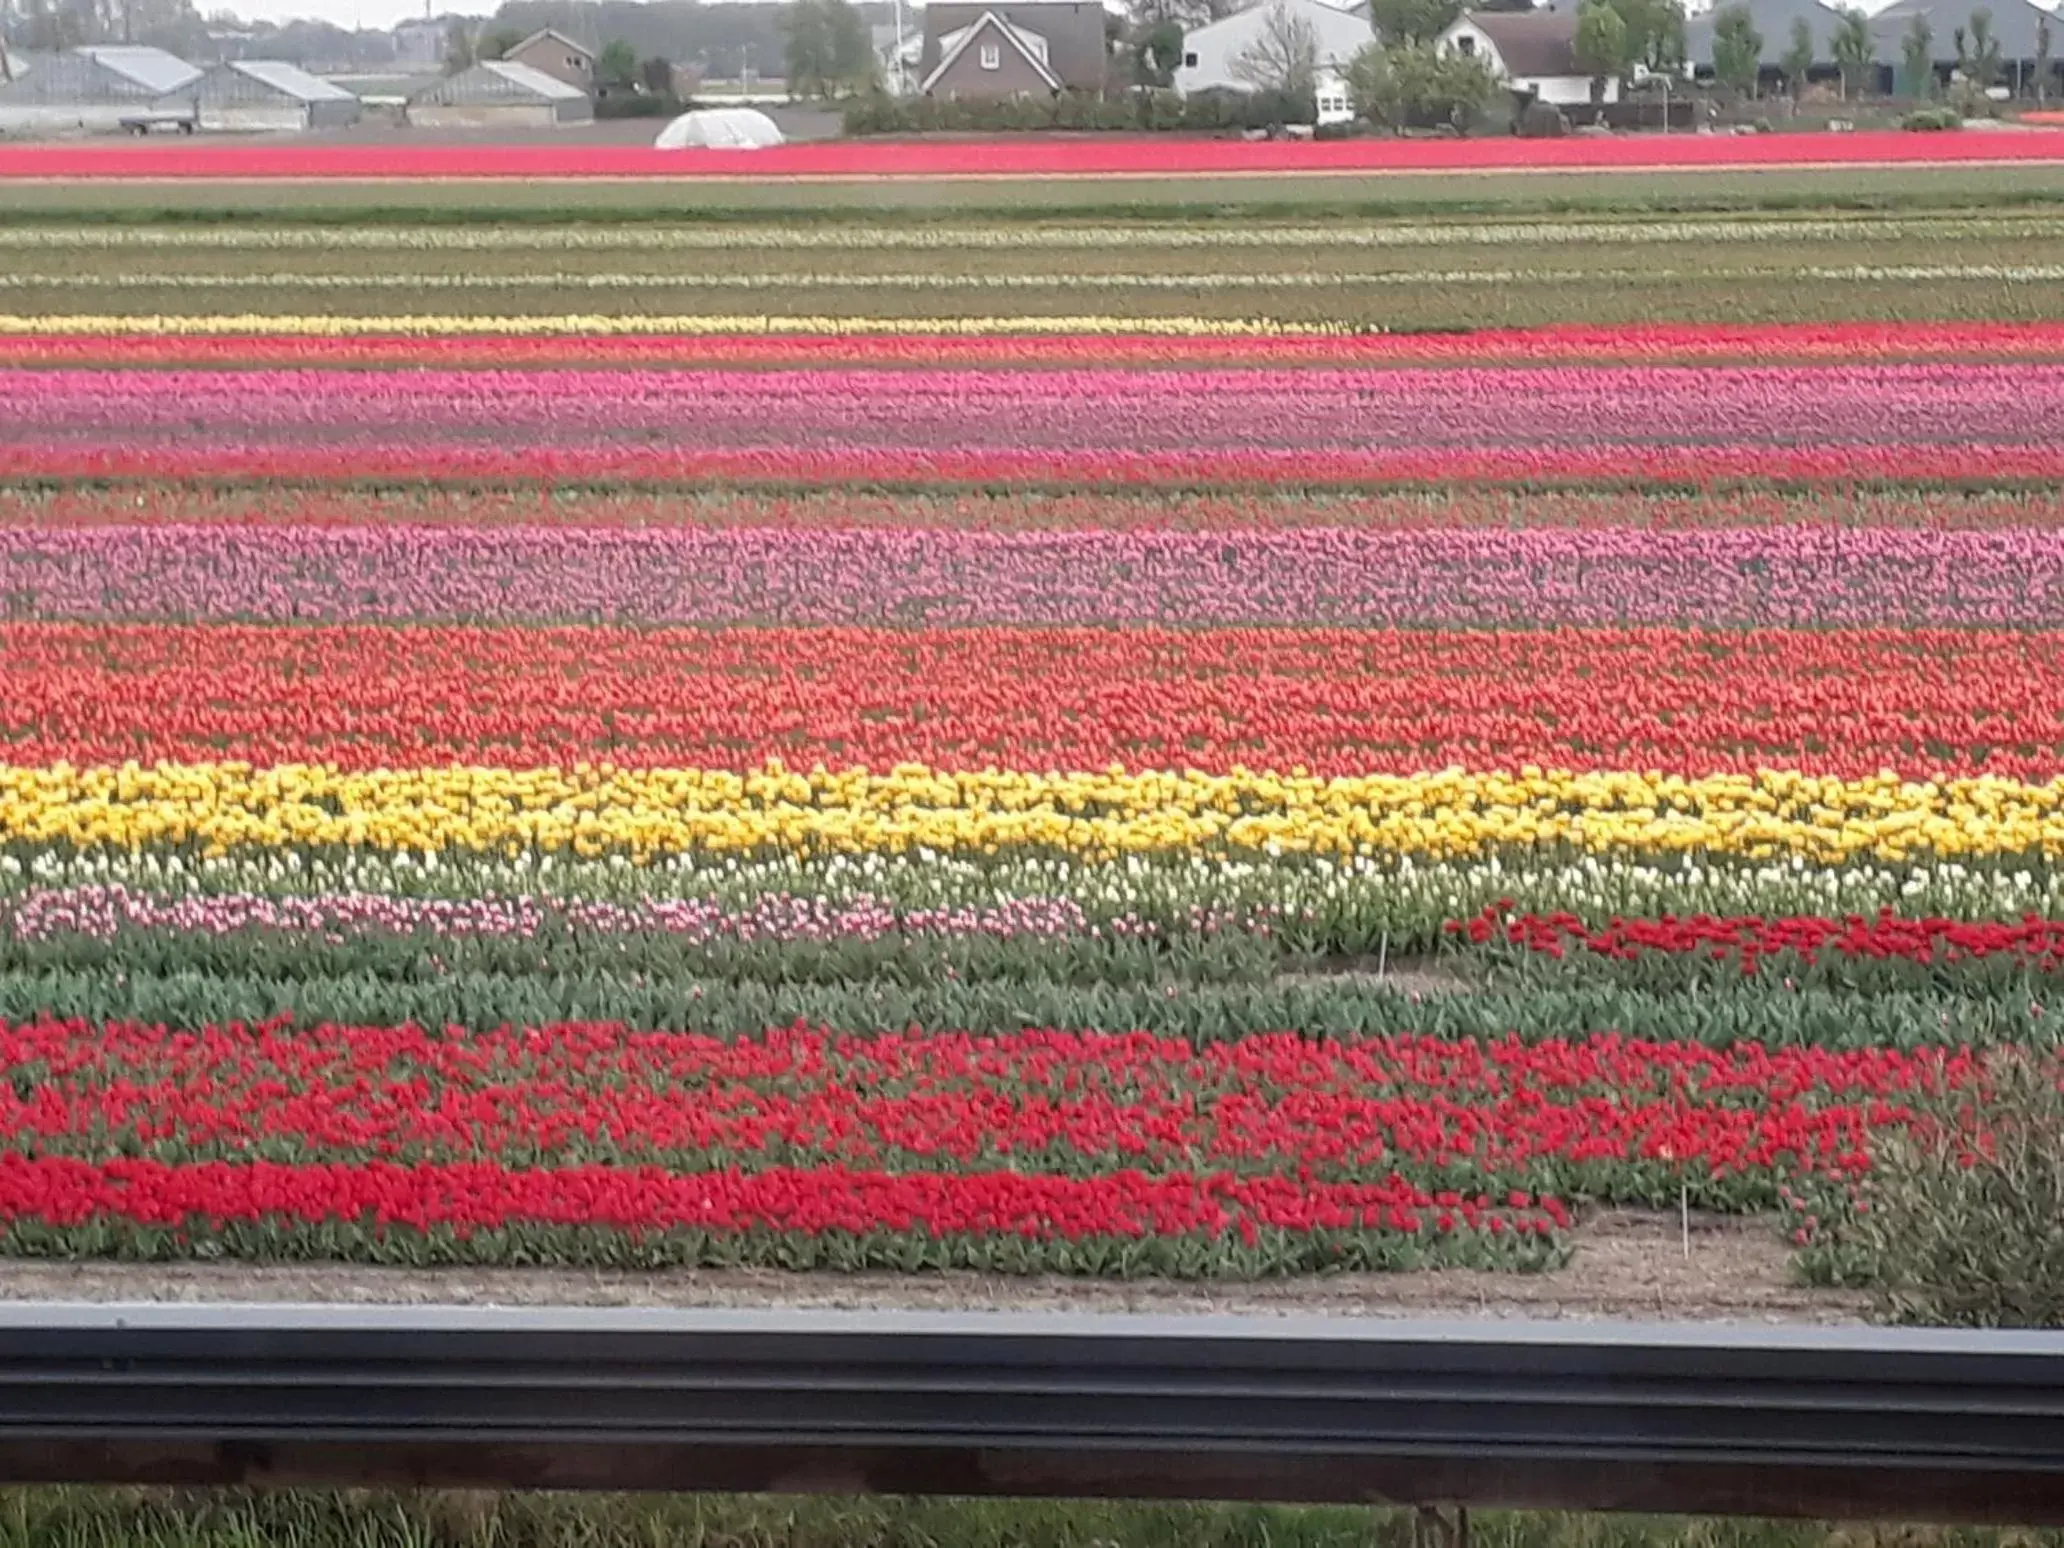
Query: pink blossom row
point(1915, 404)
point(1790, 576)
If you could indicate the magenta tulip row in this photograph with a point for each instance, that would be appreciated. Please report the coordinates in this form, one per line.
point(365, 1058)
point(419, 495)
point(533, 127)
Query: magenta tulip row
point(103, 912)
point(1912, 405)
point(1793, 576)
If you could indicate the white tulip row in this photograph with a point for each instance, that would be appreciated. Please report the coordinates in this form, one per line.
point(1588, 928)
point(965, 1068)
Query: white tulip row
point(1574, 232)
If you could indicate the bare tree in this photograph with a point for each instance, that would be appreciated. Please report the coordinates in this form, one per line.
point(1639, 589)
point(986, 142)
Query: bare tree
point(1284, 55)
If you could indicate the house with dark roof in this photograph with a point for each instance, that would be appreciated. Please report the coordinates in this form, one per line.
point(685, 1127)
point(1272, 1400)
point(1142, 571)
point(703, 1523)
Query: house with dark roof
point(1013, 47)
point(1533, 52)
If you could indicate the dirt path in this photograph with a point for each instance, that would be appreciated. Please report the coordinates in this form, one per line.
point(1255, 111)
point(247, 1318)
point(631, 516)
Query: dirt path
point(1628, 1265)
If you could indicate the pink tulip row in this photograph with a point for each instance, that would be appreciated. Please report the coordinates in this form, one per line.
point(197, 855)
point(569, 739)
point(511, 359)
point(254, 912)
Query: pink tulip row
point(1793, 576)
point(1598, 464)
point(103, 912)
point(1915, 405)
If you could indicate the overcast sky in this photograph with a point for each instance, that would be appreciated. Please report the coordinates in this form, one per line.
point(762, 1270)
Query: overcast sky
point(348, 14)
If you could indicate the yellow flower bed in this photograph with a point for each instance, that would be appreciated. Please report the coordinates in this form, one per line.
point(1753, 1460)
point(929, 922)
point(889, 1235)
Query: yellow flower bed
point(1098, 816)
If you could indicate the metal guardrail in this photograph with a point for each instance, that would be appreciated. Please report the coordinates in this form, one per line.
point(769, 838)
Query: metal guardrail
point(1725, 1420)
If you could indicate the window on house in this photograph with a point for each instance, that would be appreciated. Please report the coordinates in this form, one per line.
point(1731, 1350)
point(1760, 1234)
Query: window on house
point(1465, 44)
point(1189, 61)
point(992, 57)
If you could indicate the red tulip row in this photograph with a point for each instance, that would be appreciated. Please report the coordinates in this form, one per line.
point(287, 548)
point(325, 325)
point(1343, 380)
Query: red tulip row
point(1025, 156)
point(1447, 1113)
point(1574, 344)
point(1273, 1146)
point(1847, 702)
point(2033, 943)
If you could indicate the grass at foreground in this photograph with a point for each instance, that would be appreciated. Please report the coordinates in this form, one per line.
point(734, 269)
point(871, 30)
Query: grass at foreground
point(108, 1518)
point(1377, 195)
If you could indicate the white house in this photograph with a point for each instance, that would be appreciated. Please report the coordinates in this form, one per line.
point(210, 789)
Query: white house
point(1533, 52)
point(1210, 53)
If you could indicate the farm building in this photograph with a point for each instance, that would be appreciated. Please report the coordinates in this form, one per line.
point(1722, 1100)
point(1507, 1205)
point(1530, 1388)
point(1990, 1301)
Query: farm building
point(2019, 27)
point(265, 94)
point(499, 94)
point(90, 89)
point(1212, 55)
point(1774, 21)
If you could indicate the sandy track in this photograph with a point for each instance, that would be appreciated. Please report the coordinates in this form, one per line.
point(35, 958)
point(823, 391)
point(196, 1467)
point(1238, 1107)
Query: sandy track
point(1628, 1265)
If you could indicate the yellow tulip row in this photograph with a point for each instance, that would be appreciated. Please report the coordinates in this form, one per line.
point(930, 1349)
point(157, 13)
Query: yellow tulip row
point(642, 814)
point(577, 325)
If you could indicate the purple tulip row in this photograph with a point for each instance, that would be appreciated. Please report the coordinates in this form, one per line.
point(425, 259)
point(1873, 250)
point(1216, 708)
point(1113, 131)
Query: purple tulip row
point(1765, 575)
point(1908, 405)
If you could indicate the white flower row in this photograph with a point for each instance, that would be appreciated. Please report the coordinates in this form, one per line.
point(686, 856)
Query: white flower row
point(1379, 894)
point(1572, 232)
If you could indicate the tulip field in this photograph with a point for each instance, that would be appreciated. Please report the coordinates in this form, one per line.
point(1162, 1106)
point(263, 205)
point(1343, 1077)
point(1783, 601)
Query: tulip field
point(1105, 745)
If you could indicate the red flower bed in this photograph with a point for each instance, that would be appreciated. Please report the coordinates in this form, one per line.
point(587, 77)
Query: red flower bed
point(2033, 943)
point(1847, 702)
point(1272, 1145)
point(1129, 156)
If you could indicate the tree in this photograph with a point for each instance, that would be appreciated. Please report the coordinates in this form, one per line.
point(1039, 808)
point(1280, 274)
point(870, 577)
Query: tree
point(1852, 48)
point(496, 42)
point(1462, 89)
point(657, 76)
point(807, 32)
point(1603, 50)
point(1185, 13)
point(1405, 83)
point(853, 64)
point(1284, 56)
point(459, 53)
point(1157, 51)
point(1655, 31)
point(1797, 62)
point(1377, 85)
point(1737, 50)
point(1917, 54)
point(1412, 21)
point(617, 66)
point(1983, 60)
point(2043, 42)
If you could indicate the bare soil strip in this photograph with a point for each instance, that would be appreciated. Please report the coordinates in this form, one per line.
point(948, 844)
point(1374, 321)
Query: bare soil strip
point(1628, 1264)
